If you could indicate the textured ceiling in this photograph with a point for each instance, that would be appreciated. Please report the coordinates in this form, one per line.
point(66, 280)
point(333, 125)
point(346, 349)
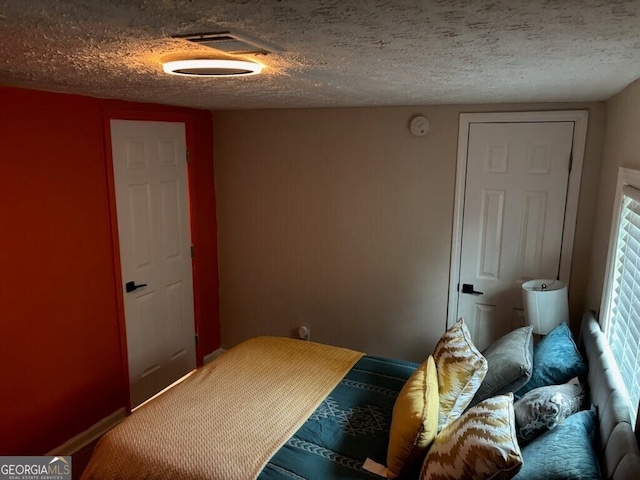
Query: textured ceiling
point(336, 52)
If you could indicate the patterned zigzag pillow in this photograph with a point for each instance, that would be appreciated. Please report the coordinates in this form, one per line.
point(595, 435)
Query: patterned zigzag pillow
point(461, 369)
point(479, 445)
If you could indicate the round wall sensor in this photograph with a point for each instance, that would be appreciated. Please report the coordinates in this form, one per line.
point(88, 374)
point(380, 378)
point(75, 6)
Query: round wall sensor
point(419, 125)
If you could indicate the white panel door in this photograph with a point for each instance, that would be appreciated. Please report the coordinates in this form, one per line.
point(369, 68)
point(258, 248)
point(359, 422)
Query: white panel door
point(150, 172)
point(514, 208)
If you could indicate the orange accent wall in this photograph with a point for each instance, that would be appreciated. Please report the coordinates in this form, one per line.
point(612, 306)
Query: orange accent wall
point(61, 367)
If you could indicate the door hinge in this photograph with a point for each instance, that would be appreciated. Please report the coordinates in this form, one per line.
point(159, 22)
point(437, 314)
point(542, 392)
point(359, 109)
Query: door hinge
point(196, 340)
point(193, 252)
point(188, 156)
point(570, 160)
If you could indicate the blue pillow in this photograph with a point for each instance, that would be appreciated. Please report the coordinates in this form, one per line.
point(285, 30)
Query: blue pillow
point(556, 360)
point(564, 453)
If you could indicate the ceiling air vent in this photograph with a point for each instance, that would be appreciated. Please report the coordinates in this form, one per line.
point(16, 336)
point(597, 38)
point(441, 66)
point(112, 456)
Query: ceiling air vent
point(231, 43)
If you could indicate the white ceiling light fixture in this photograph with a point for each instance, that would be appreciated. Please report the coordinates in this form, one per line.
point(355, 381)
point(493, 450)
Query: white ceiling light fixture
point(205, 67)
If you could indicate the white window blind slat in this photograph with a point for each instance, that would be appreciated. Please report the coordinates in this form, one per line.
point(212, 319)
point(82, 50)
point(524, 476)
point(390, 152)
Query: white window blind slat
point(623, 332)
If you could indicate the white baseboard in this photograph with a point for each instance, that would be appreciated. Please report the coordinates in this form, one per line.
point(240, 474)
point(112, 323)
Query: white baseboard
point(83, 439)
point(213, 355)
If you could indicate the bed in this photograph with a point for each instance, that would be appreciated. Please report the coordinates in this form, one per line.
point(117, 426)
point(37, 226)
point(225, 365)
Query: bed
point(281, 409)
point(328, 401)
point(618, 445)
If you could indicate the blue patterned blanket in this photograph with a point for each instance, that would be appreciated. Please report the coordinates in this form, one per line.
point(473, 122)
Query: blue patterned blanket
point(351, 424)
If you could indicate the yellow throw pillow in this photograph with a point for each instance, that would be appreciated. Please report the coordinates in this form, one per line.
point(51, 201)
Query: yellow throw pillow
point(414, 423)
point(480, 445)
point(461, 369)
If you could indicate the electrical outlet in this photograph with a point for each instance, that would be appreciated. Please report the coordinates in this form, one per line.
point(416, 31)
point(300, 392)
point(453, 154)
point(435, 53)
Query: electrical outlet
point(304, 333)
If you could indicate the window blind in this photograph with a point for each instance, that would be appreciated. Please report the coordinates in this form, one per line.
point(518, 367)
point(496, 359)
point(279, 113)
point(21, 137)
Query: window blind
point(623, 317)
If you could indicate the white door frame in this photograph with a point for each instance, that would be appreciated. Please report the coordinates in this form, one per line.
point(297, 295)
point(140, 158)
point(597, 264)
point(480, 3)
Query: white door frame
point(580, 119)
point(121, 130)
point(144, 116)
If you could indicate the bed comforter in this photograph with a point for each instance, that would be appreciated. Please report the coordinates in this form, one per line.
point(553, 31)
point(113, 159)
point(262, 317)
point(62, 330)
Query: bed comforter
point(229, 418)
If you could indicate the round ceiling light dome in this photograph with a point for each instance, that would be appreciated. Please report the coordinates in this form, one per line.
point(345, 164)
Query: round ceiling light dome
point(202, 67)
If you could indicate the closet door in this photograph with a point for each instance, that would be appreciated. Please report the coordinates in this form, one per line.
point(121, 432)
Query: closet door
point(150, 173)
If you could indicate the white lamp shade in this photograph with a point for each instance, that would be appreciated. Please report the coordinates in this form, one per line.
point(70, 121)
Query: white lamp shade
point(545, 304)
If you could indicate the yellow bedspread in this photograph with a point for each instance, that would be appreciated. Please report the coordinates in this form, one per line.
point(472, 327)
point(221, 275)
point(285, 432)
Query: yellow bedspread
point(226, 420)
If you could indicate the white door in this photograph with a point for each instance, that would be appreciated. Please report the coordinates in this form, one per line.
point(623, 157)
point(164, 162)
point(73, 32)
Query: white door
point(150, 172)
point(513, 219)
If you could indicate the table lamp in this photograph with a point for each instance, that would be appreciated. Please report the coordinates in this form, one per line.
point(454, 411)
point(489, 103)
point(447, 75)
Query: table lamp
point(545, 304)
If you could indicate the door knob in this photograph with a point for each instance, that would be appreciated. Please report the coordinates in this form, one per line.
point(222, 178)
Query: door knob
point(468, 288)
point(131, 286)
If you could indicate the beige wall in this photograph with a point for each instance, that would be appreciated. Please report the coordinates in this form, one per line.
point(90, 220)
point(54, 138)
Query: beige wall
point(341, 220)
point(621, 148)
